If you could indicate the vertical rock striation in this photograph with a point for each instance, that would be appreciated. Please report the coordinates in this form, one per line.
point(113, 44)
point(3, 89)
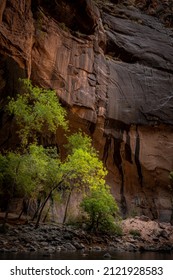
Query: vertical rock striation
point(112, 67)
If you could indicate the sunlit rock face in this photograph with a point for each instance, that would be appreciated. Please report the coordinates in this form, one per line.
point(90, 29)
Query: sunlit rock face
point(111, 65)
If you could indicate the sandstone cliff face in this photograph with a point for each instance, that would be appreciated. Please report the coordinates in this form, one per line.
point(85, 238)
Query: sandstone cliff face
point(112, 67)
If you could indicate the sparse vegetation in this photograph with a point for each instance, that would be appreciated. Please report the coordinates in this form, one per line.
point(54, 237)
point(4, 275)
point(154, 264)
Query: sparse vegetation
point(135, 232)
point(63, 26)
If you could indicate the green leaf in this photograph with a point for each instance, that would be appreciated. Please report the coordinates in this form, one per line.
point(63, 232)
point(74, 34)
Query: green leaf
point(37, 112)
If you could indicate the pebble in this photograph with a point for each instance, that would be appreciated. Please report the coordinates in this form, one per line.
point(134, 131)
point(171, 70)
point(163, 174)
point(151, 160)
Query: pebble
point(97, 248)
point(78, 246)
point(107, 256)
point(69, 247)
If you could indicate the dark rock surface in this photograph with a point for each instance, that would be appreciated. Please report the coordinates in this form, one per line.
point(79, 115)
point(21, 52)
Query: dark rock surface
point(140, 81)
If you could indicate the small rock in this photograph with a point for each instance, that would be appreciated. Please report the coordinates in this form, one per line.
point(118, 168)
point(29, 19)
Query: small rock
point(84, 255)
point(32, 248)
point(58, 249)
point(54, 243)
point(107, 256)
point(97, 248)
point(3, 250)
point(131, 247)
point(49, 249)
point(164, 234)
point(67, 235)
point(155, 239)
point(14, 250)
point(64, 249)
point(44, 244)
point(144, 218)
point(156, 232)
point(78, 246)
point(40, 238)
point(166, 247)
point(69, 247)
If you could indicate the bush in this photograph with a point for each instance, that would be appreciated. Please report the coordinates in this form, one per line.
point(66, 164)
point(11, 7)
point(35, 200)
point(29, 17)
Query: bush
point(101, 210)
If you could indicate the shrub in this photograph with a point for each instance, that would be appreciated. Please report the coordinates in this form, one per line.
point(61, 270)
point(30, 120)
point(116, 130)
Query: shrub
point(101, 210)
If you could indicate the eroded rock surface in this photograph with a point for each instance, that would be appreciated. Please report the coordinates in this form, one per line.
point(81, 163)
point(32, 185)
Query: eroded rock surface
point(112, 67)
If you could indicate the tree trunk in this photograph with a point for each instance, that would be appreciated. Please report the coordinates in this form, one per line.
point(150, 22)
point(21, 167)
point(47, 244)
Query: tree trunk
point(45, 217)
point(6, 214)
point(37, 210)
point(6, 217)
point(25, 207)
point(44, 203)
point(67, 204)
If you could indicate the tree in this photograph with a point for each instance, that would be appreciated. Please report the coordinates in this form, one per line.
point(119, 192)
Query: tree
point(82, 165)
point(38, 171)
point(81, 170)
point(47, 164)
point(19, 176)
point(37, 112)
point(101, 209)
point(89, 176)
point(34, 173)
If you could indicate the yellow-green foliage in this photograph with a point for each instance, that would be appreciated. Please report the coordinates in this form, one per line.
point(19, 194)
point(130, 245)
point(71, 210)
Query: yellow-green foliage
point(28, 174)
point(36, 170)
point(37, 111)
point(82, 163)
point(101, 209)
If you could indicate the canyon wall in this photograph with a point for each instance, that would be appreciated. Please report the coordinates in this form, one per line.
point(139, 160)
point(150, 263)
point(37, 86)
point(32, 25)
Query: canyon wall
point(111, 64)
